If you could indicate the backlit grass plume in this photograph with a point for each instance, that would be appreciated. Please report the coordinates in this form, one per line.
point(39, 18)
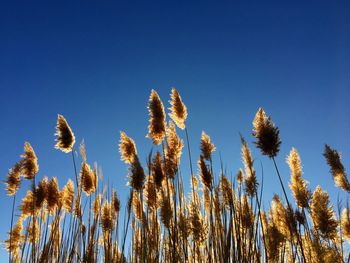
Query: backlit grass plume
point(65, 137)
point(157, 125)
point(337, 169)
point(13, 180)
point(297, 184)
point(322, 214)
point(251, 182)
point(207, 147)
point(127, 148)
point(30, 165)
point(266, 134)
point(178, 109)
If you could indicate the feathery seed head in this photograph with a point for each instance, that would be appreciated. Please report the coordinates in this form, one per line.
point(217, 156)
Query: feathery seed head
point(53, 195)
point(297, 184)
point(136, 175)
point(157, 170)
point(204, 173)
point(178, 109)
point(13, 180)
point(322, 214)
point(65, 136)
point(345, 224)
point(333, 159)
point(29, 162)
point(127, 148)
point(266, 133)
point(41, 193)
point(68, 199)
point(156, 127)
point(207, 147)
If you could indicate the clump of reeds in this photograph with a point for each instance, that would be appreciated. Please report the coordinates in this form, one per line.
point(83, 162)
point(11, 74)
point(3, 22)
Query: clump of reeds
point(221, 220)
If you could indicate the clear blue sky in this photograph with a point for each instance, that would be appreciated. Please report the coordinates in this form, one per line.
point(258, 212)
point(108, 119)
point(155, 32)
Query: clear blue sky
point(96, 64)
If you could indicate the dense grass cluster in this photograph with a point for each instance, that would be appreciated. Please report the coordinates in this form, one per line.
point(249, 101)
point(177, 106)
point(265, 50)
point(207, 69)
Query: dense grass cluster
point(220, 220)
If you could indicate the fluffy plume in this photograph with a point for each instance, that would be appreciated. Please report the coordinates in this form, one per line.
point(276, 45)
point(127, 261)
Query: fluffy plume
point(178, 109)
point(322, 214)
point(172, 151)
point(87, 179)
point(33, 232)
point(115, 203)
point(41, 193)
point(13, 180)
point(68, 199)
point(165, 209)
point(136, 175)
point(127, 148)
point(15, 238)
point(157, 170)
point(337, 169)
point(204, 173)
point(150, 193)
point(227, 191)
point(53, 194)
point(251, 183)
point(27, 205)
point(30, 165)
point(345, 224)
point(283, 218)
point(199, 229)
point(65, 136)
point(207, 147)
point(297, 184)
point(106, 217)
point(266, 133)
point(156, 127)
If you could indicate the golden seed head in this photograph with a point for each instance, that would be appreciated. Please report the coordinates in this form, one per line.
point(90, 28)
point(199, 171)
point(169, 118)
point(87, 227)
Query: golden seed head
point(68, 200)
point(251, 182)
point(127, 148)
point(173, 151)
point(178, 109)
point(205, 173)
point(156, 127)
point(207, 147)
point(33, 232)
point(333, 159)
point(15, 237)
point(29, 162)
point(322, 214)
point(106, 217)
point(157, 170)
point(227, 191)
point(65, 136)
point(345, 224)
point(150, 193)
point(136, 175)
point(297, 184)
point(27, 205)
point(53, 195)
point(165, 209)
point(41, 193)
point(87, 178)
point(115, 203)
point(13, 180)
point(266, 133)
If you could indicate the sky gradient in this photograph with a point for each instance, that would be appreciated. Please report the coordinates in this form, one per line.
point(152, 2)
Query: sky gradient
point(97, 63)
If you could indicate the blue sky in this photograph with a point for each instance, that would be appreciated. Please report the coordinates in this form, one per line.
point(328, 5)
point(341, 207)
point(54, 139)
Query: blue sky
point(97, 63)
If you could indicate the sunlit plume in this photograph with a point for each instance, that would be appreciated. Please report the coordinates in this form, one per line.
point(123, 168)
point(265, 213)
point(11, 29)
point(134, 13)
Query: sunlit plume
point(178, 109)
point(266, 134)
point(65, 136)
point(157, 125)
